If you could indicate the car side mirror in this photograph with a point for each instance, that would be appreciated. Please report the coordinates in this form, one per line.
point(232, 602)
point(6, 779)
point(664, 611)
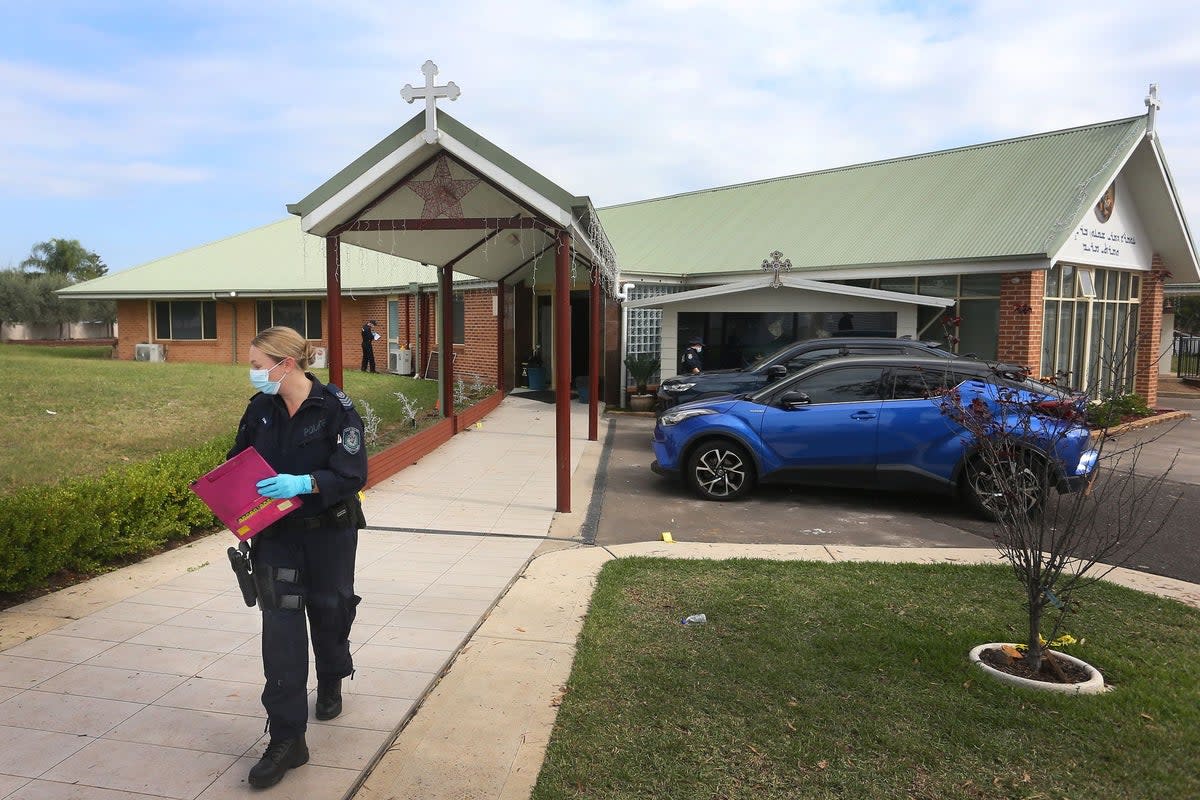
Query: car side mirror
point(792, 400)
point(776, 371)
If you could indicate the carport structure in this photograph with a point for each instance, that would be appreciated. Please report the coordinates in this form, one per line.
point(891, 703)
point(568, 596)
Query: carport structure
point(438, 193)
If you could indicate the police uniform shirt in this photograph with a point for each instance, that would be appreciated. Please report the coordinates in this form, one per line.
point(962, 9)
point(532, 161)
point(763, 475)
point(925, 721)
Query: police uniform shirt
point(324, 439)
point(691, 360)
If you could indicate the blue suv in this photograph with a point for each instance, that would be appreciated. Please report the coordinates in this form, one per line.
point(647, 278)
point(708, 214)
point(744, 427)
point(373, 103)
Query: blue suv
point(876, 423)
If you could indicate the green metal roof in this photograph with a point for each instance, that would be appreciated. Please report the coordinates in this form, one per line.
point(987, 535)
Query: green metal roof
point(273, 260)
point(1018, 198)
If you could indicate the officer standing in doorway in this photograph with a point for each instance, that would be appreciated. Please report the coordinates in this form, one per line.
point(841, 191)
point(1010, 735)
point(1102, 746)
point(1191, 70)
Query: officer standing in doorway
point(303, 565)
point(691, 359)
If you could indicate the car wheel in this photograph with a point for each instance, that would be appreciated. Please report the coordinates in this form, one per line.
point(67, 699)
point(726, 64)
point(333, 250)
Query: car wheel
point(996, 486)
point(720, 470)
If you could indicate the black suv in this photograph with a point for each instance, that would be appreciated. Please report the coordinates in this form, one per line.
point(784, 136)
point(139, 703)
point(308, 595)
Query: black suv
point(784, 362)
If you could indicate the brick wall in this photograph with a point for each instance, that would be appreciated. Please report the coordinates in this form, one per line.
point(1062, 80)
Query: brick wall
point(1145, 376)
point(233, 340)
point(1022, 308)
point(476, 357)
point(133, 326)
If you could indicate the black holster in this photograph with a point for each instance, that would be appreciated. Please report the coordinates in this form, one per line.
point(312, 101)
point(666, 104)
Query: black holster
point(278, 588)
point(239, 559)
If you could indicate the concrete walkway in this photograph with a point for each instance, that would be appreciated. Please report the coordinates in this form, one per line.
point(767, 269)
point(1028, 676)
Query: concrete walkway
point(144, 683)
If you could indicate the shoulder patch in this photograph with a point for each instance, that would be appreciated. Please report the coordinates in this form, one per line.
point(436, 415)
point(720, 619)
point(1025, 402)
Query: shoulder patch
point(340, 395)
point(351, 440)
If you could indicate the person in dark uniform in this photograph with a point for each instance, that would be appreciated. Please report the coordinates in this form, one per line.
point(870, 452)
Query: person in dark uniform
point(368, 339)
point(303, 565)
point(691, 357)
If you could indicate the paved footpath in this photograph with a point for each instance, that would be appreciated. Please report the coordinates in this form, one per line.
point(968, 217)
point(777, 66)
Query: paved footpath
point(144, 683)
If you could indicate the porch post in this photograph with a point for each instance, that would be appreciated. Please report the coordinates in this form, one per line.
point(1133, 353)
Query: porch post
point(500, 387)
point(594, 358)
point(333, 299)
point(446, 341)
point(562, 371)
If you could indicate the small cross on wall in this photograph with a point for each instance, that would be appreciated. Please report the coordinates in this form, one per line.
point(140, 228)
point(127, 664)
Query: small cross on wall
point(777, 263)
point(430, 93)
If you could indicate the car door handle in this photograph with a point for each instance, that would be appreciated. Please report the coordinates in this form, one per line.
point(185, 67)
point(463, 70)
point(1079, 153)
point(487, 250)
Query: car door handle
point(863, 415)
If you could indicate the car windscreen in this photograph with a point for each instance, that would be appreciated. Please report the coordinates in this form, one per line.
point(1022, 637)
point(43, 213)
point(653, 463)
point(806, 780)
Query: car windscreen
point(769, 357)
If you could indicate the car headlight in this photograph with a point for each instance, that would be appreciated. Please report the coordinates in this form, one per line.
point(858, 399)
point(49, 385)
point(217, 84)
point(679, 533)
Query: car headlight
point(1087, 463)
point(677, 387)
point(676, 417)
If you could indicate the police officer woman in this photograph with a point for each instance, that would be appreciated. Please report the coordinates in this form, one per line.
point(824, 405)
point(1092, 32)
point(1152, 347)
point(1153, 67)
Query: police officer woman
point(311, 435)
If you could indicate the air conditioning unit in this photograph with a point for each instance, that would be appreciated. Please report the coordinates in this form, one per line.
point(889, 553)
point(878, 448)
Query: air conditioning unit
point(149, 352)
point(318, 361)
point(400, 362)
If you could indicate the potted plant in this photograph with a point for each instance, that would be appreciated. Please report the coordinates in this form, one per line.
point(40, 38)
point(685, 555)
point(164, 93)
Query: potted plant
point(1055, 543)
point(641, 368)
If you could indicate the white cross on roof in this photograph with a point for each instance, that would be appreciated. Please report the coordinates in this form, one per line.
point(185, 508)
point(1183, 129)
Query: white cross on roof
point(431, 93)
point(1152, 105)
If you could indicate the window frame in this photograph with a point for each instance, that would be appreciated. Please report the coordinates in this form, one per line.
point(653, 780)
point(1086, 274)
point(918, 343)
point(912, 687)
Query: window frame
point(207, 310)
point(308, 306)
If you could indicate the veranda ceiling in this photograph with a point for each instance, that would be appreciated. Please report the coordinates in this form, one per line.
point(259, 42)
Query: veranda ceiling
point(459, 201)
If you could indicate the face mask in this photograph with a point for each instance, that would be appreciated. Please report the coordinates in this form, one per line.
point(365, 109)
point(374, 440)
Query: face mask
point(261, 379)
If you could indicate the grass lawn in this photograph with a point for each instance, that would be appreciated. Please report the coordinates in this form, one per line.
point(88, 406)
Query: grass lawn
point(109, 412)
point(851, 681)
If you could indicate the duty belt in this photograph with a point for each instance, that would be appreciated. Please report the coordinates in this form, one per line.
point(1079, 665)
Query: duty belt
point(339, 515)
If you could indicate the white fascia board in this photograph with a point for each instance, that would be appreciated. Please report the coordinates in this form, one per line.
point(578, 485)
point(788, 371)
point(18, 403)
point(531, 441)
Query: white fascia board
point(482, 166)
point(874, 294)
point(799, 284)
point(1165, 171)
point(322, 213)
point(855, 272)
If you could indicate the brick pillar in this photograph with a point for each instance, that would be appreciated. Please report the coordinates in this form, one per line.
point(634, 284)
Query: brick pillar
point(1019, 339)
point(1145, 376)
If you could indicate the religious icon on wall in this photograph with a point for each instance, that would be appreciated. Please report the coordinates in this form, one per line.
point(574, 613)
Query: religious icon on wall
point(1104, 208)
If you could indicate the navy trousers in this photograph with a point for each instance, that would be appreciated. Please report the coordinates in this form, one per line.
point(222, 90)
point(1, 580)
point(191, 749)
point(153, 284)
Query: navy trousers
point(324, 558)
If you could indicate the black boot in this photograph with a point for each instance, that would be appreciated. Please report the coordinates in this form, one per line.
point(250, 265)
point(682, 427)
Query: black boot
point(329, 698)
point(281, 755)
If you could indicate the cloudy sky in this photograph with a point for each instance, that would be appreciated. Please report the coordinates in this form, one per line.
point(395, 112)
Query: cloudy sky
point(145, 128)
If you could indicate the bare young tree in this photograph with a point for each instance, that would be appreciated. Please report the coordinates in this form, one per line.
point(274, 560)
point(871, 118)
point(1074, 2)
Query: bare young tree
point(1061, 522)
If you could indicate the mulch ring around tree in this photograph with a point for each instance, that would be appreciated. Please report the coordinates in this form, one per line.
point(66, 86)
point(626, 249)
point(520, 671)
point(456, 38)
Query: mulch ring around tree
point(1052, 670)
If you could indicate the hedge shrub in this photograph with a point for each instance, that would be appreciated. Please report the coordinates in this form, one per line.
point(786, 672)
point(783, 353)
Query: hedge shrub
point(1114, 410)
point(88, 523)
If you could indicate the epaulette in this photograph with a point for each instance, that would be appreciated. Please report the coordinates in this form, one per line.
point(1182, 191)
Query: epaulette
point(341, 396)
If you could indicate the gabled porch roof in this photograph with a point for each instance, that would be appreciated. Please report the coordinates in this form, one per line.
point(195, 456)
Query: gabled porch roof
point(459, 201)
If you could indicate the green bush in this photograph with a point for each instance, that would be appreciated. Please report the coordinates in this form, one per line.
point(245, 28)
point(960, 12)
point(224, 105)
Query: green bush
point(88, 523)
point(1114, 410)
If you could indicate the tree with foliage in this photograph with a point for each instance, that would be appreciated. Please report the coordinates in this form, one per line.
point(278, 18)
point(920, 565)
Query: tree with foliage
point(1187, 314)
point(18, 297)
point(65, 257)
point(29, 293)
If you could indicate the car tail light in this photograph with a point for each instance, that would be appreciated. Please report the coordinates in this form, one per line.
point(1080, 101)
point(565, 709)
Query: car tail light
point(1061, 408)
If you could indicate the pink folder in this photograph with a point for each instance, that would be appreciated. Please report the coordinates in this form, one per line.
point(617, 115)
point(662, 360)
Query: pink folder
point(229, 490)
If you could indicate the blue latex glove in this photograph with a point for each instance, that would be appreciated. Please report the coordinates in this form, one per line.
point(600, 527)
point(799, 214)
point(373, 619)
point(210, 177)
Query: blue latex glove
point(282, 486)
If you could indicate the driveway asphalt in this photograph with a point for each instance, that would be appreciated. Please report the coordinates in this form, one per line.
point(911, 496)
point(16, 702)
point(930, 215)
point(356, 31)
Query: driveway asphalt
point(638, 506)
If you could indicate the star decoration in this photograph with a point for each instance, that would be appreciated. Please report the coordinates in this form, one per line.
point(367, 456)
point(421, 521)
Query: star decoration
point(442, 194)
